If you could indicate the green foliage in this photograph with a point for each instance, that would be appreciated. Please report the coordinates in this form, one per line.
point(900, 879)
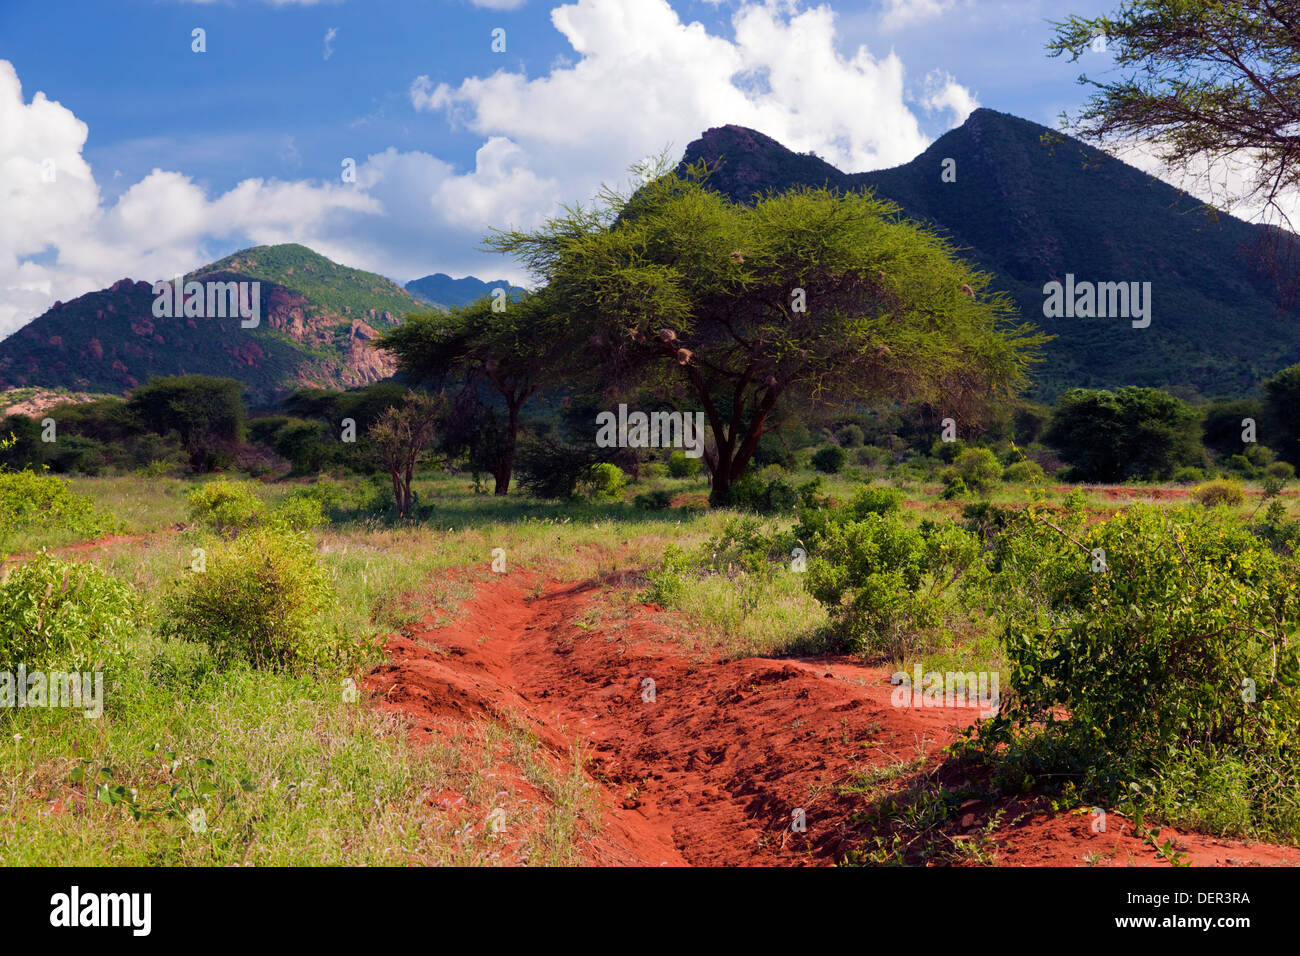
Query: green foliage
point(1131, 433)
point(978, 468)
point(884, 582)
point(208, 414)
point(850, 436)
point(1024, 473)
point(603, 482)
point(261, 600)
point(681, 466)
point(1282, 411)
point(31, 499)
point(1220, 492)
point(225, 507)
point(1178, 642)
point(64, 615)
point(654, 500)
point(830, 460)
point(764, 496)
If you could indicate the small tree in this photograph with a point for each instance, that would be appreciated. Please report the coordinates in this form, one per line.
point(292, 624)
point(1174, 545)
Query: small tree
point(804, 298)
point(402, 434)
point(208, 413)
point(514, 345)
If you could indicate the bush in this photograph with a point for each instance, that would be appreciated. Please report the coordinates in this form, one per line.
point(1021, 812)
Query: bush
point(603, 482)
point(1281, 469)
point(953, 485)
point(883, 582)
point(850, 436)
point(1188, 475)
point(654, 500)
point(225, 507)
point(680, 466)
point(979, 468)
point(830, 460)
point(773, 496)
point(1024, 473)
point(299, 512)
point(64, 615)
point(1180, 643)
point(652, 471)
point(871, 456)
point(260, 601)
point(1220, 492)
point(29, 499)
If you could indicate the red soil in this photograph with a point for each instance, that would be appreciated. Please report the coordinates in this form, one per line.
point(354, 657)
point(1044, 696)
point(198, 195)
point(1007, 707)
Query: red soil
point(710, 771)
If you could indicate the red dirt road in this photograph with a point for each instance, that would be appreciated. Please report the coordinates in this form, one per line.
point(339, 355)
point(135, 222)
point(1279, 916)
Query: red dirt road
point(709, 769)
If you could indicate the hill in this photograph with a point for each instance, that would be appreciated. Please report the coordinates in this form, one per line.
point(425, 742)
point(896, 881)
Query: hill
point(444, 292)
point(318, 319)
point(1031, 206)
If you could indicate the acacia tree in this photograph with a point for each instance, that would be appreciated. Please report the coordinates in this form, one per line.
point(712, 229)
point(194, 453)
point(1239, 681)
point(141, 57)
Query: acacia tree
point(208, 413)
point(807, 296)
point(510, 344)
point(402, 434)
point(1203, 80)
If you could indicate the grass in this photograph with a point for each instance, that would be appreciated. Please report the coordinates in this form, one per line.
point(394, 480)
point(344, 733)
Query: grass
point(301, 775)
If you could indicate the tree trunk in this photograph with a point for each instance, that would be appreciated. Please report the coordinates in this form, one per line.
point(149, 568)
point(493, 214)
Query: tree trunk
point(506, 464)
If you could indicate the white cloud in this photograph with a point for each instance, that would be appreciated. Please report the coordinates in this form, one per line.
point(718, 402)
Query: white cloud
point(499, 4)
point(330, 34)
point(945, 93)
point(904, 13)
point(639, 81)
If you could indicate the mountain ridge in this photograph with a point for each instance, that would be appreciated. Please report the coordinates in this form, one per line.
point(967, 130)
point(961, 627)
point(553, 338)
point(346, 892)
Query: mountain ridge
point(1030, 205)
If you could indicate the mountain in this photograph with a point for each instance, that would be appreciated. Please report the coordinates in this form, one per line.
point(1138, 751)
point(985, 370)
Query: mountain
point(318, 320)
point(443, 291)
point(1031, 206)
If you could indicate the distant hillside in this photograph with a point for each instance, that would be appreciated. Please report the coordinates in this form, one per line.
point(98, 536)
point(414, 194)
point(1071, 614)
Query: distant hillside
point(1030, 206)
point(443, 291)
point(318, 319)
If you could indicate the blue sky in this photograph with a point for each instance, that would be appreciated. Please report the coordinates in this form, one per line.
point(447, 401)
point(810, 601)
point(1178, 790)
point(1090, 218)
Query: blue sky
point(166, 158)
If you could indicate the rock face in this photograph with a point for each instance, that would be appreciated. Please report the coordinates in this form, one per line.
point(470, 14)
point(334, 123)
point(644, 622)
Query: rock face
point(110, 341)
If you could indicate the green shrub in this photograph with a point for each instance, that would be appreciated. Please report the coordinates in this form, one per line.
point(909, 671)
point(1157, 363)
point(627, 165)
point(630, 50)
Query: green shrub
point(603, 482)
point(871, 456)
point(947, 451)
point(1281, 469)
point(979, 468)
point(680, 466)
point(1220, 492)
point(1187, 475)
point(753, 493)
point(654, 500)
point(1024, 473)
point(299, 512)
point(953, 485)
point(1178, 641)
point(31, 499)
point(65, 615)
point(225, 507)
point(259, 600)
point(850, 436)
point(830, 460)
point(883, 582)
point(652, 471)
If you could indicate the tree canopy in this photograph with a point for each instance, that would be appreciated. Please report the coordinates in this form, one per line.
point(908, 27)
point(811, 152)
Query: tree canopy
point(808, 296)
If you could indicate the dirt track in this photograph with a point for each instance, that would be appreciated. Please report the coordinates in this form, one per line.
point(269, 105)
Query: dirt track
point(710, 771)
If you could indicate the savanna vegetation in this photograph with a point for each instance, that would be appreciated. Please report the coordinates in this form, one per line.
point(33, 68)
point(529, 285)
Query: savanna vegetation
point(869, 482)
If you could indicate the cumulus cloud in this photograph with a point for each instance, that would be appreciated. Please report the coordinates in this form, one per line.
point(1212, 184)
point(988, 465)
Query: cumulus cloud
point(639, 80)
point(904, 13)
point(644, 79)
point(58, 240)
